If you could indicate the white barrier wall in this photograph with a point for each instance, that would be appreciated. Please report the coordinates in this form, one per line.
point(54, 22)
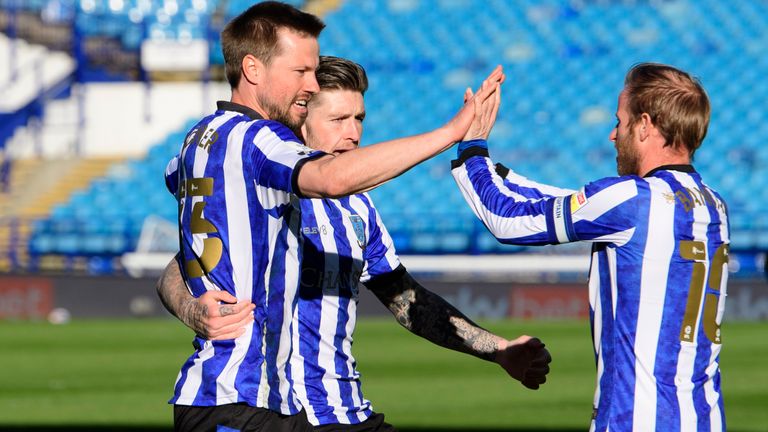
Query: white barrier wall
point(115, 119)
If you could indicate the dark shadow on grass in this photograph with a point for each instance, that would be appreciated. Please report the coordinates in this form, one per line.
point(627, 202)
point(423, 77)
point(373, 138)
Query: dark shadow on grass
point(122, 428)
point(138, 428)
point(489, 429)
point(84, 428)
point(100, 428)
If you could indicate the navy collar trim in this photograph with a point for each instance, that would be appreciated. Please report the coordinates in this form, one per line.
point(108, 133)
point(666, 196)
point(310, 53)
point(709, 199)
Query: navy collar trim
point(236, 107)
point(683, 168)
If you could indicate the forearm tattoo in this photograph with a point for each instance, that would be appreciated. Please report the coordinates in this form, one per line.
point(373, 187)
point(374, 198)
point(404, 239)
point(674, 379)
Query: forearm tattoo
point(177, 300)
point(428, 315)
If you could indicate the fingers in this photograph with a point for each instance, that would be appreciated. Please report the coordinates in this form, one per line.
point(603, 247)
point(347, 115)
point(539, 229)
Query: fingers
point(532, 342)
point(537, 359)
point(496, 74)
point(488, 88)
point(467, 94)
point(226, 309)
point(490, 109)
point(230, 325)
point(222, 303)
point(469, 121)
point(540, 356)
point(496, 103)
point(231, 330)
point(533, 381)
point(540, 366)
point(222, 296)
point(223, 316)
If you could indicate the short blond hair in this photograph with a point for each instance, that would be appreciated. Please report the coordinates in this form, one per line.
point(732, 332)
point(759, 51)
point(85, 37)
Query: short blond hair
point(675, 101)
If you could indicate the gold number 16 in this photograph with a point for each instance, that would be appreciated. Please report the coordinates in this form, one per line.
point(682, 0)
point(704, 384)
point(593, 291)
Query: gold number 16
point(697, 252)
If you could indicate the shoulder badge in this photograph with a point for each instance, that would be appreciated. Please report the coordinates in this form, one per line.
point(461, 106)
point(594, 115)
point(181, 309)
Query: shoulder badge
point(359, 227)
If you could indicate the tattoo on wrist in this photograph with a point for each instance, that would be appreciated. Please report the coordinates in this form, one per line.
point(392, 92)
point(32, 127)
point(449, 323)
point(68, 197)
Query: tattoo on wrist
point(193, 314)
point(481, 342)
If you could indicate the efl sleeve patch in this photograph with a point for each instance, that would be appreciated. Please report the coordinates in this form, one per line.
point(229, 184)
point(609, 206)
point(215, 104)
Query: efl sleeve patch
point(578, 200)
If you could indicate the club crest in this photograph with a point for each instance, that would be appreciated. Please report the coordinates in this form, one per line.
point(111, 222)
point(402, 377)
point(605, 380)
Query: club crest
point(359, 227)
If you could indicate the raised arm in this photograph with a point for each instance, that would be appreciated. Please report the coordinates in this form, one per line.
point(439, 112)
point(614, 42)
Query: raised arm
point(364, 168)
point(428, 315)
point(214, 315)
point(518, 211)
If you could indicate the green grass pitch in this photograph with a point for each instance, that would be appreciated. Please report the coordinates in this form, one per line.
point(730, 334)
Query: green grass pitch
point(118, 375)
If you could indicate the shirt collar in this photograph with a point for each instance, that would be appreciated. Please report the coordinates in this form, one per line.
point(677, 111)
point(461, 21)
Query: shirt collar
point(683, 167)
point(242, 109)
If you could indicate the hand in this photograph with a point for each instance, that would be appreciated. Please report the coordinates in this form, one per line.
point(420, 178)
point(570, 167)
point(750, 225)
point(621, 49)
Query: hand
point(526, 360)
point(217, 315)
point(485, 114)
point(474, 106)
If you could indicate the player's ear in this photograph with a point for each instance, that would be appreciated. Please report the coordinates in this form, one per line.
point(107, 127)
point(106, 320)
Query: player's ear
point(252, 69)
point(645, 127)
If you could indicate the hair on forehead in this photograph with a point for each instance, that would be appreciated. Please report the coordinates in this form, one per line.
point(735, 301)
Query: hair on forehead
point(336, 73)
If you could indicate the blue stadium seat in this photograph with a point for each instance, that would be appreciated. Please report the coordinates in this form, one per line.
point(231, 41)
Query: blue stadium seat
point(565, 63)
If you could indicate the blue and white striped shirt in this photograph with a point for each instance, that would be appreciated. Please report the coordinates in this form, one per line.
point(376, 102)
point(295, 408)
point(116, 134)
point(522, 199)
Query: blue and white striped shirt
point(343, 243)
point(239, 223)
point(657, 282)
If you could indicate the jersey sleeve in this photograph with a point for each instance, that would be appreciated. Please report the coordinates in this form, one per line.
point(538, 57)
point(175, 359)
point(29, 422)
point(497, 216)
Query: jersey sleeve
point(379, 256)
point(172, 175)
point(526, 187)
point(278, 155)
point(518, 211)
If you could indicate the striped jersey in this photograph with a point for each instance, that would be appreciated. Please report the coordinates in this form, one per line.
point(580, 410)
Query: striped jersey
point(343, 242)
point(239, 218)
point(657, 281)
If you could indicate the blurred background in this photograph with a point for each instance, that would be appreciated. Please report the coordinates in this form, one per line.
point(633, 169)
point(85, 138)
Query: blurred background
point(97, 95)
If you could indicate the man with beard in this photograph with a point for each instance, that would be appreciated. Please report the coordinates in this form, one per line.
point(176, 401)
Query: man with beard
point(240, 172)
point(659, 268)
point(344, 242)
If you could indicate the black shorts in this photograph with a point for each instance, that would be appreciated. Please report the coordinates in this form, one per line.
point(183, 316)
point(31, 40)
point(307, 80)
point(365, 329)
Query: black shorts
point(375, 423)
point(236, 417)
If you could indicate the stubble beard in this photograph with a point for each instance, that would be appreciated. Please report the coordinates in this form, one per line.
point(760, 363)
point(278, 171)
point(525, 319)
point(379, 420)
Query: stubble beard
point(282, 115)
point(627, 158)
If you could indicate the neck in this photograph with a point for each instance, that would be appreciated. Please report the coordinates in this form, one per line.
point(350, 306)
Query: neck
point(248, 99)
point(661, 157)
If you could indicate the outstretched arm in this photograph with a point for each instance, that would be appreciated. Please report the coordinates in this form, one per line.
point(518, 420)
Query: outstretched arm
point(428, 315)
point(215, 315)
point(363, 169)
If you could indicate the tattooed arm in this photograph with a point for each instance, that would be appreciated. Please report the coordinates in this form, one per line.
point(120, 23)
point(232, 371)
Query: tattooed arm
point(214, 315)
point(428, 315)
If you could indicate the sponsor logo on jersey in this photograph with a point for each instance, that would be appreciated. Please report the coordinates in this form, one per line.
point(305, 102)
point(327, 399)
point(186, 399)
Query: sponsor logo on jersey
point(578, 200)
point(359, 227)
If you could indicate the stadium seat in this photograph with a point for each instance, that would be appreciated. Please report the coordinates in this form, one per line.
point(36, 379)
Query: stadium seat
point(564, 61)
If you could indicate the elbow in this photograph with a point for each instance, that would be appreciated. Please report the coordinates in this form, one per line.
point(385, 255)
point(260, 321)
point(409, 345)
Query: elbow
point(159, 287)
point(500, 232)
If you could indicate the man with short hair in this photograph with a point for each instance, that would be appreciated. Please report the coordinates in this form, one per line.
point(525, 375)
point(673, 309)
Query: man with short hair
point(659, 269)
point(240, 171)
point(344, 242)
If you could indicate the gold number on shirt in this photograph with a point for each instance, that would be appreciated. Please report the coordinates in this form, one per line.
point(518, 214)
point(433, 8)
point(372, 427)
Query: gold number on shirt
point(696, 251)
point(212, 246)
